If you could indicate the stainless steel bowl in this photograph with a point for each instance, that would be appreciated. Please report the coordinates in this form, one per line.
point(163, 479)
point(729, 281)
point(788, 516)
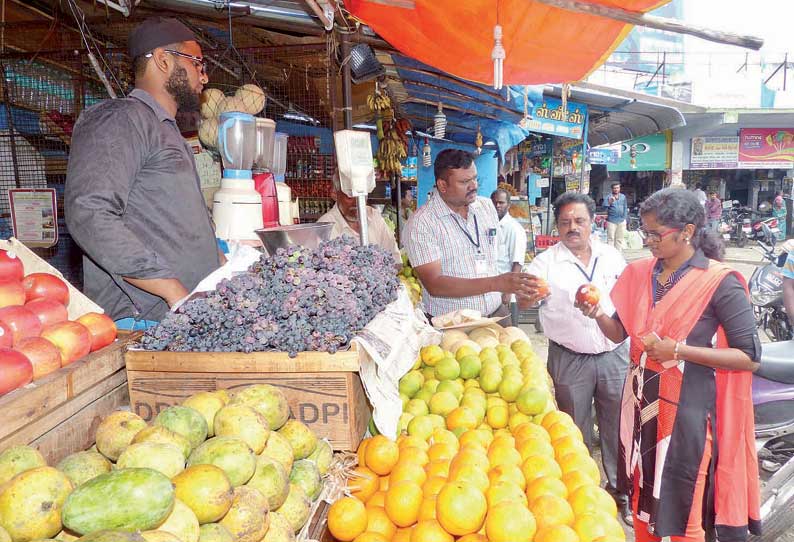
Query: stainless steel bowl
point(305, 235)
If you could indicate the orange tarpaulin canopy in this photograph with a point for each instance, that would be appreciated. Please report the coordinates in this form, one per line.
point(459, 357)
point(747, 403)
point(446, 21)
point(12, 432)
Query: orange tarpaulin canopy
point(543, 44)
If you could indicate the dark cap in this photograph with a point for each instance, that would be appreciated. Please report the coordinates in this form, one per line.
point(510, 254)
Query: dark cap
point(156, 32)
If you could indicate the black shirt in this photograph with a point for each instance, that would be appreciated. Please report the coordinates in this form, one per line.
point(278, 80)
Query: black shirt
point(133, 203)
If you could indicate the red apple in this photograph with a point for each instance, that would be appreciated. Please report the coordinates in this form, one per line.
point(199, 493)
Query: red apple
point(6, 336)
point(46, 286)
point(15, 370)
point(11, 293)
point(42, 354)
point(72, 339)
point(588, 294)
point(22, 322)
point(11, 267)
point(48, 311)
point(102, 329)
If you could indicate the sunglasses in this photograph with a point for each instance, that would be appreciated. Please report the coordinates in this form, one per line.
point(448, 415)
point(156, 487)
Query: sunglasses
point(198, 62)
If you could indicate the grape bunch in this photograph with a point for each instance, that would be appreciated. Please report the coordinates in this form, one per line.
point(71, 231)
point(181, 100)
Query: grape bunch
point(296, 300)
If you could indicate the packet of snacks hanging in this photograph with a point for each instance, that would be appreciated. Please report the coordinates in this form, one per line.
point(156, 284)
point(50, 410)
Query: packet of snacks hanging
point(389, 346)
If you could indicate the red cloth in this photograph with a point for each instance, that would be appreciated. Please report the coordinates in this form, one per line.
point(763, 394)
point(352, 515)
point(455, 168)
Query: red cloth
point(736, 490)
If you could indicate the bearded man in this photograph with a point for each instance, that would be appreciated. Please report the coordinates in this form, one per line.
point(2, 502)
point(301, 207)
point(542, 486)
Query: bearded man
point(133, 200)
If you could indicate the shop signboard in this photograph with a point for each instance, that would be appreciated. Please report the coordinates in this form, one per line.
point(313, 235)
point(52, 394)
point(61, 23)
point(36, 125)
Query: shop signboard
point(647, 153)
point(548, 117)
point(766, 148)
point(602, 156)
point(714, 153)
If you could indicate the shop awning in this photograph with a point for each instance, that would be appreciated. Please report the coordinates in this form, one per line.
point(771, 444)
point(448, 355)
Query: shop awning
point(619, 115)
point(543, 44)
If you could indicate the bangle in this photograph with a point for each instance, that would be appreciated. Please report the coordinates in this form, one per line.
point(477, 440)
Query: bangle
point(675, 351)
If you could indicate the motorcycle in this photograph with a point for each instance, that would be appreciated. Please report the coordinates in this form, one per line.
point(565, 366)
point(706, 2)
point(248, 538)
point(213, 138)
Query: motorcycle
point(760, 233)
point(773, 403)
point(766, 291)
point(735, 223)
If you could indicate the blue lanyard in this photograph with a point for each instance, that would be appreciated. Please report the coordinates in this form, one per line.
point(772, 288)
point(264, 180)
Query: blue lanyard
point(466, 232)
point(592, 273)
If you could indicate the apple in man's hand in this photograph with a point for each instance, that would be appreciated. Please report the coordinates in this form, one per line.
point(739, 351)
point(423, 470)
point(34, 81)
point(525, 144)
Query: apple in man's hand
point(588, 294)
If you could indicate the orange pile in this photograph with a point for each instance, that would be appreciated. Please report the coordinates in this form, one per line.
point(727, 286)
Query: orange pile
point(532, 482)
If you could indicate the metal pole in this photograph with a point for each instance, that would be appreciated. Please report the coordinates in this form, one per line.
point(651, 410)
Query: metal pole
point(584, 149)
point(362, 219)
point(551, 185)
point(399, 211)
point(347, 89)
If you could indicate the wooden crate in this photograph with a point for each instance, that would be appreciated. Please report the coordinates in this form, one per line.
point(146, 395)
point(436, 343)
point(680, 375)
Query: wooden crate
point(324, 391)
point(59, 413)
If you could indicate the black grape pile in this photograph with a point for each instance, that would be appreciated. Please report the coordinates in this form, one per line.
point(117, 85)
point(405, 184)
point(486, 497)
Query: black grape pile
point(297, 300)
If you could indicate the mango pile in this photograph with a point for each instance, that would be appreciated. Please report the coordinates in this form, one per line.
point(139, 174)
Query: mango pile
point(483, 455)
point(408, 276)
point(218, 468)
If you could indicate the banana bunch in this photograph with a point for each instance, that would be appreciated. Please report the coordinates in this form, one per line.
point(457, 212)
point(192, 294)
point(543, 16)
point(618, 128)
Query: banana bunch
point(378, 102)
point(391, 152)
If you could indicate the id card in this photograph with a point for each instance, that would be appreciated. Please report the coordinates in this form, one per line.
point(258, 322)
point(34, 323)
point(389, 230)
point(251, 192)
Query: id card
point(481, 265)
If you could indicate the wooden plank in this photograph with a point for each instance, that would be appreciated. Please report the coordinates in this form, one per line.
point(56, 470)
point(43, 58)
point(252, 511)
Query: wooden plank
point(231, 362)
point(659, 23)
point(26, 405)
point(78, 432)
point(34, 430)
point(333, 404)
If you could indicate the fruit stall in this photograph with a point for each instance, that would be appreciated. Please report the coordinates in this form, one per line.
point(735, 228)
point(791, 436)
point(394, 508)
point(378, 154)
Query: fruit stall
point(221, 423)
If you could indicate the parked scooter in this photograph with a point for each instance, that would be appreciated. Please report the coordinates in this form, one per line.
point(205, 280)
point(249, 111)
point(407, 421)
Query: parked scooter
point(773, 403)
point(766, 291)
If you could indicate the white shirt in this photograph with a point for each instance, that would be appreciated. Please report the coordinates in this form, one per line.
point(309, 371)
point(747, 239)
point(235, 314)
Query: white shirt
point(511, 244)
point(378, 233)
point(701, 195)
point(435, 233)
point(562, 322)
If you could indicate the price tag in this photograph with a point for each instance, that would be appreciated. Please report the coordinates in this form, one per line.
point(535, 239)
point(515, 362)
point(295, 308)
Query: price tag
point(34, 216)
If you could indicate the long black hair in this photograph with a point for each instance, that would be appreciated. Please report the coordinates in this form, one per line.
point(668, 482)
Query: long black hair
point(677, 207)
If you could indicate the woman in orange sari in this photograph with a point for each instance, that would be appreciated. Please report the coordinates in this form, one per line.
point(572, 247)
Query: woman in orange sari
point(687, 449)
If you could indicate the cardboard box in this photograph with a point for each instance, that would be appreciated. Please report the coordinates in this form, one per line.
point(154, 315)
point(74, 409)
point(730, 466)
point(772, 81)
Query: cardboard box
point(324, 391)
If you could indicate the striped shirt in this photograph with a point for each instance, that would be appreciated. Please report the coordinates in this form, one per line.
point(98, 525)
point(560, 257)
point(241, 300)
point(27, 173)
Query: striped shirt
point(437, 234)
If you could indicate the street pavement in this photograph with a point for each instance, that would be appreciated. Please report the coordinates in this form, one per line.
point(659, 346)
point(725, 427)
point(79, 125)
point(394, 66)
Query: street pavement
point(744, 260)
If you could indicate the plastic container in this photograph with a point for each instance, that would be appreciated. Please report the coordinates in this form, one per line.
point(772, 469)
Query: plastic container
point(279, 164)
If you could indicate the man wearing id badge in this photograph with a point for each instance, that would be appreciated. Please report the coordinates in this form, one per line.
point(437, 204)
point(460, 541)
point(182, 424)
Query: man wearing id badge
point(452, 244)
point(583, 363)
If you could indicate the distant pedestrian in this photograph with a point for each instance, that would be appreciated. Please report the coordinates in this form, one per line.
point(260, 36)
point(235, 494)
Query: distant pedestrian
point(617, 214)
point(713, 212)
point(779, 212)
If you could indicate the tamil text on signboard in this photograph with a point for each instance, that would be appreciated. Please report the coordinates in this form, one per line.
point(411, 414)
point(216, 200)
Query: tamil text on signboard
point(549, 117)
point(714, 153)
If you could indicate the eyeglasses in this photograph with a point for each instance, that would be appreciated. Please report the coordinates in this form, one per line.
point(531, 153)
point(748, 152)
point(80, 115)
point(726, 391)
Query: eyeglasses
point(198, 62)
point(657, 237)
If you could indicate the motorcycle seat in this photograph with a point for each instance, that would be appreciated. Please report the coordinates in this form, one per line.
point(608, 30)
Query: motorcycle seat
point(777, 362)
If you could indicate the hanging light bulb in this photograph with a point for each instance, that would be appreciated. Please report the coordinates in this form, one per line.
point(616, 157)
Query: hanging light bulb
point(427, 160)
point(439, 123)
point(498, 56)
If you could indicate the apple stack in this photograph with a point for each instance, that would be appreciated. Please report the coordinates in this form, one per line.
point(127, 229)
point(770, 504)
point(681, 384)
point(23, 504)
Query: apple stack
point(36, 335)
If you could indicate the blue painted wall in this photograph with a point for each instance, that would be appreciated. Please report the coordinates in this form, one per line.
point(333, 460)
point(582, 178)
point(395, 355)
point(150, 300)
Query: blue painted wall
point(487, 166)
